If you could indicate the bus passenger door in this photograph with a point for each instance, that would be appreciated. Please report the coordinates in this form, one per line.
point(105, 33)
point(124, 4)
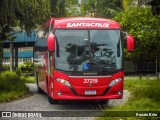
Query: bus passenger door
point(50, 72)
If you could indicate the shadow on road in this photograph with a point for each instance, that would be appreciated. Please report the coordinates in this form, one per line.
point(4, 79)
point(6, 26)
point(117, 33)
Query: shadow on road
point(69, 104)
point(93, 105)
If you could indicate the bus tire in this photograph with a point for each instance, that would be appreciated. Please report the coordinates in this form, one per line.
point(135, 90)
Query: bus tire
point(36, 76)
point(51, 101)
point(40, 91)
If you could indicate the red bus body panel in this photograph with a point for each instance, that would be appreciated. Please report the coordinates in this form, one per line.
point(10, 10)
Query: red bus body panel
point(85, 23)
point(80, 87)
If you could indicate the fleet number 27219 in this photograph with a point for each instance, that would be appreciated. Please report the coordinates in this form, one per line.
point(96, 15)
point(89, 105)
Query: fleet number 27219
point(90, 80)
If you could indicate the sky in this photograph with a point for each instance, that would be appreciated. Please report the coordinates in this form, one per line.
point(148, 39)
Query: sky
point(79, 1)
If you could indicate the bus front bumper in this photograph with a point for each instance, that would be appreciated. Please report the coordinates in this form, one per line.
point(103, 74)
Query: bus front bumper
point(114, 92)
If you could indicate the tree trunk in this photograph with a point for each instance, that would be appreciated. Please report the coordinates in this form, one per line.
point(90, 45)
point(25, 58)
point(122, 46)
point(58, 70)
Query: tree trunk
point(157, 67)
point(1, 55)
point(53, 8)
point(140, 67)
point(16, 58)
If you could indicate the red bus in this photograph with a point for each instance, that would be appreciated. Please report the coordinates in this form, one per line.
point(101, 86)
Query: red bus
point(80, 59)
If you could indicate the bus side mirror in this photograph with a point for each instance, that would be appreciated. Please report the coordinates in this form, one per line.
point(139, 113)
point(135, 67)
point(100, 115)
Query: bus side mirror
point(130, 42)
point(51, 42)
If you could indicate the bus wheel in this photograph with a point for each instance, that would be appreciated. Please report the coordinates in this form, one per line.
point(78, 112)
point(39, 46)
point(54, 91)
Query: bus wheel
point(36, 76)
point(40, 91)
point(103, 102)
point(51, 101)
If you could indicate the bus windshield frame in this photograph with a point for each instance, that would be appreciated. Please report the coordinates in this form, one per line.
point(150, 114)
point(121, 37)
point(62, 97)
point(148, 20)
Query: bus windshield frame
point(88, 51)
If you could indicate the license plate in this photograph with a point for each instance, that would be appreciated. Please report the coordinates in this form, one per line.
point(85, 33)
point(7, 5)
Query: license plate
point(90, 92)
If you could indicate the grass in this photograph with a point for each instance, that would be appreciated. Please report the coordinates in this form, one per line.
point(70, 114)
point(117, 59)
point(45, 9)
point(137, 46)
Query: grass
point(30, 79)
point(12, 86)
point(145, 96)
point(12, 95)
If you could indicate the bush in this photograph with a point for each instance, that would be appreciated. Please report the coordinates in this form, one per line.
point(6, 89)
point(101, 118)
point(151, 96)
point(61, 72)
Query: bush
point(5, 67)
point(11, 83)
point(18, 71)
point(26, 67)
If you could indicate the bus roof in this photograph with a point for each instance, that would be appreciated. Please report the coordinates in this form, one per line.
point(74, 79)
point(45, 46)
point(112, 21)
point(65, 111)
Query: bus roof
point(84, 23)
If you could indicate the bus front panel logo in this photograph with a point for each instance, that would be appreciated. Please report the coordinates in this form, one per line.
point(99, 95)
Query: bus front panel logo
point(97, 25)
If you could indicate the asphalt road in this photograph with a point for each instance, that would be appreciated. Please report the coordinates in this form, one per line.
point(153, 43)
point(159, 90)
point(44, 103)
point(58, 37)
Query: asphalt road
point(70, 109)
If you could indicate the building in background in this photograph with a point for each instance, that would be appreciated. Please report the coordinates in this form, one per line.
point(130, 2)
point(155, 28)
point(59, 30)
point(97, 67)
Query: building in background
point(22, 48)
point(24, 55)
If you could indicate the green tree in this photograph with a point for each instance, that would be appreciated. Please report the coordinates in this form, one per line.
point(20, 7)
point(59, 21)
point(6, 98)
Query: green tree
point(24, 14)
point(145, 27)
point(58, 8)
point(73, 8)
point(102, 8)
point(126, 4)
point(88, 7)
point(134, 3)
point(155, 7)
point(108, 8)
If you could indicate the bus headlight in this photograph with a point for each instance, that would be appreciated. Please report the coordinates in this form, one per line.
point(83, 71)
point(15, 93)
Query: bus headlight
point(65, 82)
point(115, 82)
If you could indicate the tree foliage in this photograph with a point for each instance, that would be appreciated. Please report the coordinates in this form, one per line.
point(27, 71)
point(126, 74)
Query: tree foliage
point(101, 8)
point(108, 8)
point(24, 14)
point(58, 8)
point(126, 4)
point(145, 27)
point(155, 7)
point(73, 8)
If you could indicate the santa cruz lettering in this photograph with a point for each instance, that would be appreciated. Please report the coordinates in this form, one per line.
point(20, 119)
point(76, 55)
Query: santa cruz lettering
point(99, 25)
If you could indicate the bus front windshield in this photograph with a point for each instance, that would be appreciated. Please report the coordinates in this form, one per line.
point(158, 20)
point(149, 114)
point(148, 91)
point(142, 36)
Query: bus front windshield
point(82, 51)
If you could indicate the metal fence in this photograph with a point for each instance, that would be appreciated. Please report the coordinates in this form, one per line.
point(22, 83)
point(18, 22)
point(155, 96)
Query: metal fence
point(143, 67)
